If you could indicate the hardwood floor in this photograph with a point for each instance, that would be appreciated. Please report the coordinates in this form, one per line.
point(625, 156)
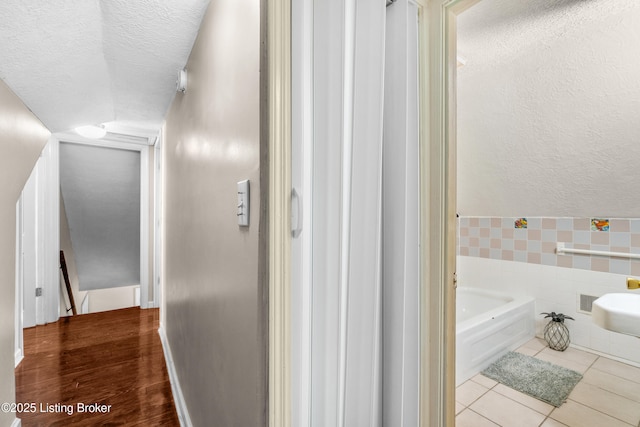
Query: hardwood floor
point(113, 359)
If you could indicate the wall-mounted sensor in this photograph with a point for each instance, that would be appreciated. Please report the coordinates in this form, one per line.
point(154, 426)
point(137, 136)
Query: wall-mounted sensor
point(181, 82)
point(243, 203)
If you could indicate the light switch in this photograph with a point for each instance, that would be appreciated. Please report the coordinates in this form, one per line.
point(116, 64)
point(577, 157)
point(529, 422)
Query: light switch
point(243, 203)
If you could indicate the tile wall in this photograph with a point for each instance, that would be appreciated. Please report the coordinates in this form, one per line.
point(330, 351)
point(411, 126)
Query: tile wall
point(534, 240)
point(495, 255)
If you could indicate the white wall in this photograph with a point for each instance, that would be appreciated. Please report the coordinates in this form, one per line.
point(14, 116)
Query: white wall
point(547, 107)
point(112, 299)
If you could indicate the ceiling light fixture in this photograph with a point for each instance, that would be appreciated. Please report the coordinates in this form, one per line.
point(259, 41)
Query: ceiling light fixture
point(92, 131)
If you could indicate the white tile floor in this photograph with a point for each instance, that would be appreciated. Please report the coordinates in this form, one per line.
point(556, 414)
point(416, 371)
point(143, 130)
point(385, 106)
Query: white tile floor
point(607, 396)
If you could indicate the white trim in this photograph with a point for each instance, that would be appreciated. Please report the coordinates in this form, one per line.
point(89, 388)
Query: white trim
point(437, 377)
point(144, 201)
point(136, 297)
point(157, 221)
point(279, 232)
point(18, 356)
point(144, 228)
point(19, 337)
point(104, 142)
point(600, 353)
point(28, 261)
point(42, 236)
point(438, 230)
point(178, 397)
point(51, 232)
point(131, 134)
point(16, 423)
point(84, 306)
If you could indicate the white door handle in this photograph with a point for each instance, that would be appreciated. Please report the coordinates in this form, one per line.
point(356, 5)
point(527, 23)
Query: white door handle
point(296, 214)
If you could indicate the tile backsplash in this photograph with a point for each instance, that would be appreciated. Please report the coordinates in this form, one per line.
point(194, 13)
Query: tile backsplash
point(534, 240)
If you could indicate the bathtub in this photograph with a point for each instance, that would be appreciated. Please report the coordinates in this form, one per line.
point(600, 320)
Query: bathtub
point(489, 324)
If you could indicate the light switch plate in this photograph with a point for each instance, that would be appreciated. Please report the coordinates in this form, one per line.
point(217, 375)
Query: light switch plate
point(243, 203)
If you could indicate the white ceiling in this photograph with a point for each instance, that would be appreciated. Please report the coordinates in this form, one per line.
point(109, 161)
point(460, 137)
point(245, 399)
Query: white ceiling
point(79, 62)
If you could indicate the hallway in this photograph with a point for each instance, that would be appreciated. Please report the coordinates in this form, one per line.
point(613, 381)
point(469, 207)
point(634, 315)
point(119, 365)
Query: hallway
point(113, 65)
point(113, 358)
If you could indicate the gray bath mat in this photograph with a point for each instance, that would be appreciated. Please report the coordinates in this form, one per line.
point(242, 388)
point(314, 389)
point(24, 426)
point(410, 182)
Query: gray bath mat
point(537, 378)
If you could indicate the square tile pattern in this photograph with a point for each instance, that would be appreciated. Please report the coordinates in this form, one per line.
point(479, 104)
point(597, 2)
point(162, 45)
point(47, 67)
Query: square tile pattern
point(608, 395)
point(501, 238)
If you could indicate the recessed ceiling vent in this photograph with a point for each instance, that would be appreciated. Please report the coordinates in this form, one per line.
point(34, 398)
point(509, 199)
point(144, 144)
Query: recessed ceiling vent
point(129, 139)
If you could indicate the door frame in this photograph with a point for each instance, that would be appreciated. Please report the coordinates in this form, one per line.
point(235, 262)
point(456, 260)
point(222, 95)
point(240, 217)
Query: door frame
point(143, 149)
point(438, 234)
point(279, 211)
point(47, 240)
point(47, 245)
point(158, 189)
point(19, 335)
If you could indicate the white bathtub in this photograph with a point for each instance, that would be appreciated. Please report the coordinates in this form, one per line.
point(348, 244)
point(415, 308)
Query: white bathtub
point(488, 324)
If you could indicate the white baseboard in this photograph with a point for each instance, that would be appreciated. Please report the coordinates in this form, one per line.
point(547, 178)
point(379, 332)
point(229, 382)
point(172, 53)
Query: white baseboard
point(16, 423)
point(84, 306)
point(18, 356)
point(178, 397)
point(136, 296)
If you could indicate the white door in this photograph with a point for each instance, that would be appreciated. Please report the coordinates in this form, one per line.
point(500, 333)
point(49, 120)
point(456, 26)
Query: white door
point(401, 226)
point(29, 232)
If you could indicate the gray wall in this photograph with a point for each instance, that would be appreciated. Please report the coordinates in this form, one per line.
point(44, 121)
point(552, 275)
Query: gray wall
point(101, 191)
point(215, 314)
point(22, 138)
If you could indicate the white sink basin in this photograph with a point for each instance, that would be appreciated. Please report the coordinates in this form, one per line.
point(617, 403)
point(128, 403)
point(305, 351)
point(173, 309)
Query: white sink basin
point(618, 313)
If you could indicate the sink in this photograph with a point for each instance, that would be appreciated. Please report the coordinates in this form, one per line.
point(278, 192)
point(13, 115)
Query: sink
point(618, 313)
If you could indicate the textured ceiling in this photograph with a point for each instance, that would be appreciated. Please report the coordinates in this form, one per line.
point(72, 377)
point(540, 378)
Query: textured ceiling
point(495, 31)
point(79, 62)
point(547, 108)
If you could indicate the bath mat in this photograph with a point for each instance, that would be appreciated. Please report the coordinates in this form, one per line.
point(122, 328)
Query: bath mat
point(537, 378)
